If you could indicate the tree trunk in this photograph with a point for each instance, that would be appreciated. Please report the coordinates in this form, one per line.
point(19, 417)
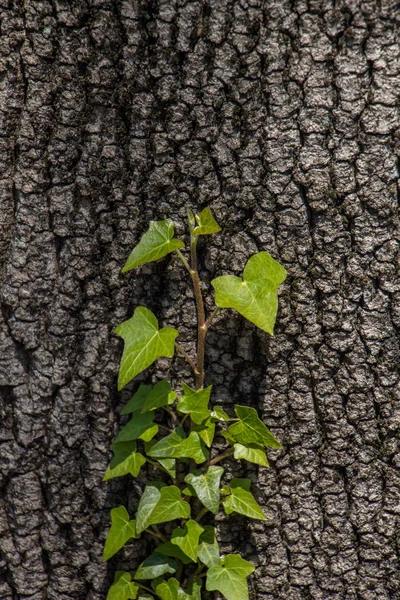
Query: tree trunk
point(281, 115)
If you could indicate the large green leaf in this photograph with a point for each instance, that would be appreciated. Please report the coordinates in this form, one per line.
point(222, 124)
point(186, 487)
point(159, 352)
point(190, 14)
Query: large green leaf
point(206, 431)
point(160, 504)
point(135, 404)
point(123, 588)
point(195, 403)
point(254, 296)
point(206, 223)
point(242, 500)
point(126, 460)
point(208, 550)
point(229, 578)
point(187, 538)
point(254, 453)
point(155, 566)
point(144, 343)
point(160, 395)
point(140, 426)
point(176, 445)
point(122, 529)
point(250, 429)
point(157, 242)
point(206, 486)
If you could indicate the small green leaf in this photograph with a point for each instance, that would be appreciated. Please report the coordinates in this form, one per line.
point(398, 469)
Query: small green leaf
point(187, 538)
point(147, 503)
point(219, 414)
point(169, 465)
point(144, 343)
point(230, 577)
point(206, 486)
point(206, 223)
point(206, 431)
point(122, 529)
point(155, 566)
point(171, 550)
point(254, 453)
point(176, 445)
point(135, 404)
point(254, 296)
point(195, 403)
point(194, 588)
point(123, 588)
point(242, 501)
point(126, 460)
point(208, 550)
point(250, 429)
point(160, 395)
point(140, 426)
point(157, 242)
point(160, 504)
point(168, 590)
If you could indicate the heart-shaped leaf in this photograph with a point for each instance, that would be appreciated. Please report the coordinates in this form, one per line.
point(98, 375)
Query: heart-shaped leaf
point(206, 223)
point(140, 426)
point(250, 429)
point(229, 578)
point(254, 296)
point(242, 501)
point(160, 505)
point(254, 453)
point(122, 529)
point(144, 343)
point(208, 550)
point(206, 486)
point(155, 566)
point(123, 588)
point(160, 395)
point(176, 445)
point(147, 503)
point(157, 242)
point(187, 538)
point(126, 460)
point(195, 403)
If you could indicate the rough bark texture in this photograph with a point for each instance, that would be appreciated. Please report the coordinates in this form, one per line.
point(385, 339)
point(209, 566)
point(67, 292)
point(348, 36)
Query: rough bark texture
point(280, 114)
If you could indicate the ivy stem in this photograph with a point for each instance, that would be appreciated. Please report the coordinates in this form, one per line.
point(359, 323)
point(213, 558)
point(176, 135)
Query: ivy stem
point(159, 534)
point(158, 466)
point(183, 259)
point(220, 457)
point(187, 357)
point(169, 410)
point(201, 319)
point(144, 587)
point(201, 514)
point(211, 317)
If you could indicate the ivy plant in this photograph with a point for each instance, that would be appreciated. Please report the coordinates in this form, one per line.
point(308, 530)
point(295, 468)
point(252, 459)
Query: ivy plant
point(173, 432)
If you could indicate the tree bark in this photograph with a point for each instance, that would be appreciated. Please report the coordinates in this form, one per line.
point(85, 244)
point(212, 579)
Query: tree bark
point(283, 117)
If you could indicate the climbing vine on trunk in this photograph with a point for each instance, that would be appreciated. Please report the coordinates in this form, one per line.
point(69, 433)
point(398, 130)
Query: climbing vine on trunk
point(187, 557)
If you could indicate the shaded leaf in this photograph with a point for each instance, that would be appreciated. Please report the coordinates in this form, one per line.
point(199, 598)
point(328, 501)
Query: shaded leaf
point(208, 550)
point(194, 588)
point(157, 242)
point(206, 486)
point(160, 395)
point(172, 550)
point(155, 566)
point(126, 460)
point(206, 223)
point(229, 578)
point(135, 404)
point(254, 453)
point(195, 403)
point(255, 295)
point(242, 501)
point(140, 426)
point(250, 429)
point(122, 529)
point(144, 343)
point(187, 538)
point(123, 588)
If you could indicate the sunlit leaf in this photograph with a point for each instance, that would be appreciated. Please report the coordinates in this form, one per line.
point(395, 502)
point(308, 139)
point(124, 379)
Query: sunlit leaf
point(123, 588)
point(126, 460)
point(229, 578)
point(147, 503)
point(160, 504)
point(155, 566)
point(242, 501)
point(250, 429)
point(176, 445)
point(195, 403)
point(140, 426)
point(206, 485)
point(144, 343)
point(208, 550)
point(219, 414)
point(255, 295)
point(206, 223)
point(122, 529)
point(187, 538)
point(157, 242)
point(254, 453)
point(206, 431)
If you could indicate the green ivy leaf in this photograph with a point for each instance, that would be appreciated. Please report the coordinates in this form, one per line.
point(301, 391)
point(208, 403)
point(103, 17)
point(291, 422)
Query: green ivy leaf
point(219, 414)
point(135, 404)
point(123, 588)
point(160, 505)
point(208, 550)
point(160, 395)
point(187, 538)
point(122, 529)
point(206, 431)
point(176, 445)
point(155, 566)
point(250, 429)
point(206, 223)
point(254, 453)
point(144, 343)
point(126, 460)
point(140, 426)
point(168, 590)
point(194, 588)
point(254, 296)
point(157, 242)
point(169, 465)
point(229, 578)
point(206, 486)
point(242, 501)
point(195, 403)
point(171, 550)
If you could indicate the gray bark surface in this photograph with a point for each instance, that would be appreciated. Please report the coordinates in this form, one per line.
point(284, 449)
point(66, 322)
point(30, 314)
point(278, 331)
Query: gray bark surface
point(282, 115)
